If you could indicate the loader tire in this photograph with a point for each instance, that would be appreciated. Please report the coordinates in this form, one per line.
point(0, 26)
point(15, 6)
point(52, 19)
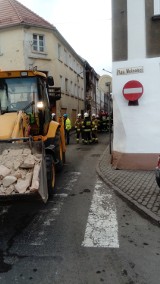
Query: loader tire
point(50, 169)
point(60, 156)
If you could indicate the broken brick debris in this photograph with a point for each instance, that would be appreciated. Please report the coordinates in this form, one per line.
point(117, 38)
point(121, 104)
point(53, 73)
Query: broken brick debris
point(19, 171)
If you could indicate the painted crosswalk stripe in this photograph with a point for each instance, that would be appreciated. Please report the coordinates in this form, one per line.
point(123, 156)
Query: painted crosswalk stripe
point(102, 225)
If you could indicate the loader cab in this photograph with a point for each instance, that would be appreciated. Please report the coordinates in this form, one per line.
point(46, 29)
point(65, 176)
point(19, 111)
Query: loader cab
point(27, 94)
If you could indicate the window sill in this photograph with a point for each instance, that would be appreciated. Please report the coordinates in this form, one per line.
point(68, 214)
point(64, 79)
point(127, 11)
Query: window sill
point(39, 52)
point(60, 60)
point(39, 56)
point(156, 17)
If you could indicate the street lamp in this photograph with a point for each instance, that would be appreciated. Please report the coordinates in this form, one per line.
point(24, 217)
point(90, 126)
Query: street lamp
point(107, 71)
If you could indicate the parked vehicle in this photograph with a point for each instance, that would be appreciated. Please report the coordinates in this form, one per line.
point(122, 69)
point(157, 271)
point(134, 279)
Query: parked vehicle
point(32, 145)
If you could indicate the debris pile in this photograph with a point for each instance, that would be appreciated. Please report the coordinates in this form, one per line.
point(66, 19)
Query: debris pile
point(19, 171)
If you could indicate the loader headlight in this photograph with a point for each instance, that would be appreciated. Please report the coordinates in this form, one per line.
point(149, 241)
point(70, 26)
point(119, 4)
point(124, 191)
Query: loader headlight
point(40, 105)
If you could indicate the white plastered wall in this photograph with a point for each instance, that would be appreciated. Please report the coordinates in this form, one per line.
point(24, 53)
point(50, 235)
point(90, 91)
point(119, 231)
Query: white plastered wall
point(137, 128)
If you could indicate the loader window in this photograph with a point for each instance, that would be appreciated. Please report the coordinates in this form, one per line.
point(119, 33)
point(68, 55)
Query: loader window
point(18, 94)
point(3, 95)
point(21, 92)
point(4, 100)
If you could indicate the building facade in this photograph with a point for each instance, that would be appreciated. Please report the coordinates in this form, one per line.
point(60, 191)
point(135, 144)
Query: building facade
point(105, 86)
point(28, 41)
point(136, 83)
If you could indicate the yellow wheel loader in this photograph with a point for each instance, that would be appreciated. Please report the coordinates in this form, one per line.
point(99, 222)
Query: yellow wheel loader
point(32, 145)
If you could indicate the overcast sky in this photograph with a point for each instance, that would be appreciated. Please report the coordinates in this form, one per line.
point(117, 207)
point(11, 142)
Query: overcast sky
point(85, 24)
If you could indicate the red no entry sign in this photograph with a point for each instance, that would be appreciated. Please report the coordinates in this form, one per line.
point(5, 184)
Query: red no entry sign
point(132, 90)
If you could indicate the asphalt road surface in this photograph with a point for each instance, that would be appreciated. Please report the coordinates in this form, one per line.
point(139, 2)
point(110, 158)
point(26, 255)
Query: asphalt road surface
point(85, 234)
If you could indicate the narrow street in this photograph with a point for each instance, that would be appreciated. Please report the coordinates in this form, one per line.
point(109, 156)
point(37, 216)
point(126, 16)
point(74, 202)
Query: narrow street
point(85, 234)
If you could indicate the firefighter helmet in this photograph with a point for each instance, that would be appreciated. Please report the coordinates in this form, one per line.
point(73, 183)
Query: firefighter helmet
point(53, 115)
point(86, 114)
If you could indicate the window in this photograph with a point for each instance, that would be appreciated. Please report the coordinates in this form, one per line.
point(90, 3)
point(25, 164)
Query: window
point(71, 88)
point(78, 92)
point(38, 43)
point(78, 69)
point(65, 57)
point(70, 61)
point(82, 96)
point(75, 90)
point(156, 7)
point(74, 65)
point(66, 84)
point(59, 52)
point(61, 82)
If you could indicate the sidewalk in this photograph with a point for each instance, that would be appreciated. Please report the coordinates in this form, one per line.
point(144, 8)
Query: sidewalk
point(137, 187)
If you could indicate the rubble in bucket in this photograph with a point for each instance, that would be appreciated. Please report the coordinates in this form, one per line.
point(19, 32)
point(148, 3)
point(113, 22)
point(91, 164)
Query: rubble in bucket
point(19, 171)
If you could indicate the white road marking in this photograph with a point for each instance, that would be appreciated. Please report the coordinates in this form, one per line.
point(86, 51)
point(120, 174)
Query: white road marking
point(102, 225)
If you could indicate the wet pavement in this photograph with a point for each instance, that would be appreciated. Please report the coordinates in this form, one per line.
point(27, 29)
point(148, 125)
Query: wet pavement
point(137, 187)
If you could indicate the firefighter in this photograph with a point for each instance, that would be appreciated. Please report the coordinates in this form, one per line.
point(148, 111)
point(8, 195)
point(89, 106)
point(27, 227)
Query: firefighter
point(87, 128)
point(82, 129)
point(78, 127)
point(67, 127)
point(94, 128)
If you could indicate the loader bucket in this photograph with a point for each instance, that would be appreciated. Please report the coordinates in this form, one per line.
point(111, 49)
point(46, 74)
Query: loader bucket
point(23, 170)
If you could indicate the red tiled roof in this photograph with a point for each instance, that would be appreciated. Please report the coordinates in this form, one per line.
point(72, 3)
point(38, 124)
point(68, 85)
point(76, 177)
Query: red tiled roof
point(14, 13)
